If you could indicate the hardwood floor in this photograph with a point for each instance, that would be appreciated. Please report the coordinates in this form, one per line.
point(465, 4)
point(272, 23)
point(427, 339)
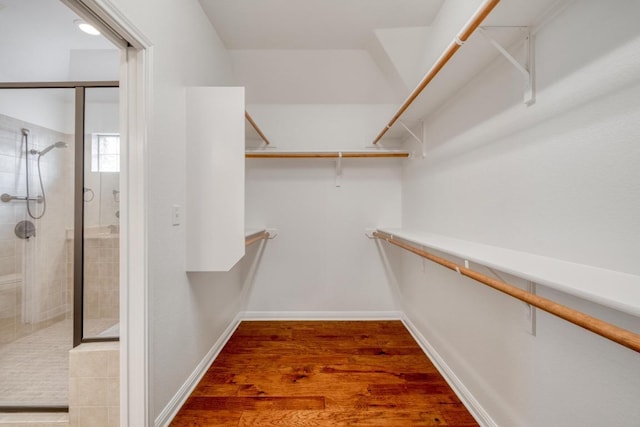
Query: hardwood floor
point(322, 374)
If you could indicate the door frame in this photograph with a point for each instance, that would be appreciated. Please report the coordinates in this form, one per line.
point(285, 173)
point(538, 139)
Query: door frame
point(135, 102)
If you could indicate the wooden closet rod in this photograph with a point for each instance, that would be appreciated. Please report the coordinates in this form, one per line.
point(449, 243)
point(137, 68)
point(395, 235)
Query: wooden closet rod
point(453, 47)
point(607, 330)
point(320, 155)
point(250, 240)
point(255, 126)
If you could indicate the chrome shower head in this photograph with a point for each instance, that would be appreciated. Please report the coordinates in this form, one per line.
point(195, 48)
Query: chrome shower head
point(59, 144)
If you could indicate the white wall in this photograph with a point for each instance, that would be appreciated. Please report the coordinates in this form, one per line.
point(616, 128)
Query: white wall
point(187, 314)
point(50, 108)
point(97, 64)
point(333, 76)
point(559, 178)
point(321, 127)
point(398, 52)
point(445, 27)
point(321, 260)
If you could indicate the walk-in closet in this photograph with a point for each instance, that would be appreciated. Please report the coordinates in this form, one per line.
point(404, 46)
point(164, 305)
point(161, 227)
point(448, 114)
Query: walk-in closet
point(324, 212)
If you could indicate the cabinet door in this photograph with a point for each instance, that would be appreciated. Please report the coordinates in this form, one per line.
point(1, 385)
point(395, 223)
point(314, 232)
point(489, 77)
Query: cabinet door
point(215, 178)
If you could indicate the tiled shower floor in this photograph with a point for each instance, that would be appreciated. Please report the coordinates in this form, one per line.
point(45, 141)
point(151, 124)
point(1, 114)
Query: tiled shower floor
point(34, 370)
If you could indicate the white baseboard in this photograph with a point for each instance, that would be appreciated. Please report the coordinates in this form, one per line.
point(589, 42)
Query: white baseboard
point(463, 393)
point(174, 405)
point(321, 315)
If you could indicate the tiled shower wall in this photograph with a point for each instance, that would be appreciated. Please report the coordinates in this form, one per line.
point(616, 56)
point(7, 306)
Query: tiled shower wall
point(33, 272)
point(101, 274)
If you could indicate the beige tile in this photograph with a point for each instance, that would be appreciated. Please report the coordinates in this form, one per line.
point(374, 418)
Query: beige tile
point(88, 364)
point(91, 269)
point(91, 254)
point(7, 214)
point(92, 416)
point(106, 243)
point(113, 391)
point(7, 330)
point(106, 255)
point(7, 265)
point(8, 302)
point(113, 364)
point(91, 304)
point(6, 231)
point(92, 283)
point(88, 391)
point(109, 283)
point(109, 304)
point(73, 417)
point(114, 416)
point(91, 242)
point(55, 298)
point(106, 269)
point(7, 248)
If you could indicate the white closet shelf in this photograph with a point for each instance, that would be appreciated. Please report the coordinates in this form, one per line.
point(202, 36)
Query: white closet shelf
point(255, 154)
point(614, 289)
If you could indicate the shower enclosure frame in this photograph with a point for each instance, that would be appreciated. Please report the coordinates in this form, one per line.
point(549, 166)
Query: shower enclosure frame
point(78, 215)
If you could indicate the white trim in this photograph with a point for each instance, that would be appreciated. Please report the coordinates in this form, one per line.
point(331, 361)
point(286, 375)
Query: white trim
point(321, 315)
point(169, 412)
point(134, 339)
point(463, 393)
point(121, 30)
point(135, 112)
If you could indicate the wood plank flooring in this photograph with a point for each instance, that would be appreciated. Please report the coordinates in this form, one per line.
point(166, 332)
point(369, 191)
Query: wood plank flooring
point(365, 373)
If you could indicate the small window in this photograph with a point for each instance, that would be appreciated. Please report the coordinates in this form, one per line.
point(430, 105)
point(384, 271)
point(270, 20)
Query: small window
point(105, 152)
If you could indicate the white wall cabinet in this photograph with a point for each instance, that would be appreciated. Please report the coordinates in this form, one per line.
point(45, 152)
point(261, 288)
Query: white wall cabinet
point(215, 178)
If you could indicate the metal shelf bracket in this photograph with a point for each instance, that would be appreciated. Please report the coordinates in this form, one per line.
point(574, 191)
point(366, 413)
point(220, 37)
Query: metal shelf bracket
point(339, 170)
point(527, 70)
point(530, 320)
point(420, 141)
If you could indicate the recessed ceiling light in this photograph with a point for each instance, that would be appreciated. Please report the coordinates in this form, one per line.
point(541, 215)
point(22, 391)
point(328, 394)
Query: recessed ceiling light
point(87, 28)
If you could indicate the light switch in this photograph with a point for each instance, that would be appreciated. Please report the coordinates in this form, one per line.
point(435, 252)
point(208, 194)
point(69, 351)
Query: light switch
point(176, 214)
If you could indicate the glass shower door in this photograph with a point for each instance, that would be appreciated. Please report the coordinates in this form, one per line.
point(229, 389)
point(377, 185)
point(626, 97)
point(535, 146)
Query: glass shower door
point(36, 267)
point(101, 214)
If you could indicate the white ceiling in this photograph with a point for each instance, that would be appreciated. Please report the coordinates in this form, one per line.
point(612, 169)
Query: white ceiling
point(312, 24)
point(39, 42)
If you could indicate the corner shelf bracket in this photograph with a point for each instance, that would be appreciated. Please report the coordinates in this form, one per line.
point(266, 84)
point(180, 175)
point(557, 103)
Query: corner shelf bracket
point(527, 70)
point(530, 320)
point(420, 141)
point(530, 311)
point(339, 169)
